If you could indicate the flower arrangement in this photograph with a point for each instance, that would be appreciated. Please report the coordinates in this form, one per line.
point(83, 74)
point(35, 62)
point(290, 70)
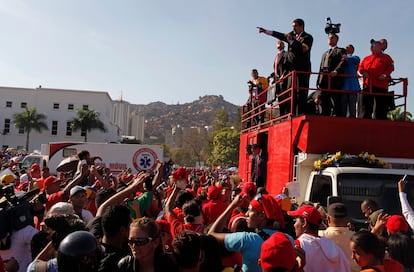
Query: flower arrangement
point(364, 159)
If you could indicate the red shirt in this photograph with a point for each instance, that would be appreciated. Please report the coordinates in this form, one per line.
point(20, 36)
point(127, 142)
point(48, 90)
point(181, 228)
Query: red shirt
point(376, 65)
point(212, 209)
point(177, 226)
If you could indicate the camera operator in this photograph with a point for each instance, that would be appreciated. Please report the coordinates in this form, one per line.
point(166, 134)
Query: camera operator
point(257, 95)
point(17, 221)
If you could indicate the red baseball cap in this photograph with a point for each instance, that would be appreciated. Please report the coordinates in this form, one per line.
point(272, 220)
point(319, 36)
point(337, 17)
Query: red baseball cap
point(310, 213)
point(396, 223)
point(49, 181)
point(277, 252)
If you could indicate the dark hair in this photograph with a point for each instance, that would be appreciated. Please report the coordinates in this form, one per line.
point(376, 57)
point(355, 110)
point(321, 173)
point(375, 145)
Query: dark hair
point(103, 195)
point(369, 203)
point(212, 254)
point(115, 217)
point(39, 241)
point(83, 154)
point(187, 248)
point(62, 225)
point(299, 22)
point(369, 243)
point(400, 248)
point(191, 210)
point(183, 197)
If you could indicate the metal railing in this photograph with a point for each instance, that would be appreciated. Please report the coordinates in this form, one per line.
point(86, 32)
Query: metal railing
point(257, 115)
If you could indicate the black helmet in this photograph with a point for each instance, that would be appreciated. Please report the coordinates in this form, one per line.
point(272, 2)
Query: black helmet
point(78, 252)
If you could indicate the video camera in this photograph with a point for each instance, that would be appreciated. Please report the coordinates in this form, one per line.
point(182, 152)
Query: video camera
point(331, 28)
point(16, 212)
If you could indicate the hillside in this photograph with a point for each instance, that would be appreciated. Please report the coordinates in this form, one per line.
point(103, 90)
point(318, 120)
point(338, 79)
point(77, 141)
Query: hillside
point(161, 117)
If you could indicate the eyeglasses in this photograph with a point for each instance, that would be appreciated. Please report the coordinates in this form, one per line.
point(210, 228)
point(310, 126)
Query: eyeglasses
point(140, 241)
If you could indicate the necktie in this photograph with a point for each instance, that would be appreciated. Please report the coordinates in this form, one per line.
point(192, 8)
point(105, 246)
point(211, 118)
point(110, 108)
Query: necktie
point(297, 37)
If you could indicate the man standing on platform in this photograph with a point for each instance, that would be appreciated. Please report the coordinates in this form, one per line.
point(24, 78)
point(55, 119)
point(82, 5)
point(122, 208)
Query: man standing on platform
point(299, 44)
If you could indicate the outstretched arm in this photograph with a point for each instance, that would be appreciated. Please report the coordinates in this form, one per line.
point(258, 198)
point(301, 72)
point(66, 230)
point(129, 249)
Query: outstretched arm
point(407, 211)
point(221, 221)
point(119, 197)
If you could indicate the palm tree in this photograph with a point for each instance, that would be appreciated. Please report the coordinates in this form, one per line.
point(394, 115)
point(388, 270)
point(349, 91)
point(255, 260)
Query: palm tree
point(29, 120)
point(397, 115)
point(87, 120)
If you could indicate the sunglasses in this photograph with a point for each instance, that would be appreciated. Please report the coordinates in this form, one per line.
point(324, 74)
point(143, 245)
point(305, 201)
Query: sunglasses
point(139, 241)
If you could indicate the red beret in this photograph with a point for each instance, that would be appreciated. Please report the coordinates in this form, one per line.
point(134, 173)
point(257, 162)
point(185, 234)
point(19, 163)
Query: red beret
point(180, 174)
point(267, 204)
point(396, 223)
point(213, 192)
point(277, 252)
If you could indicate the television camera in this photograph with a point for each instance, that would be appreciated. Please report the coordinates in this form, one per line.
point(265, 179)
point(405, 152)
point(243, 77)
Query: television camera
point(332, 28)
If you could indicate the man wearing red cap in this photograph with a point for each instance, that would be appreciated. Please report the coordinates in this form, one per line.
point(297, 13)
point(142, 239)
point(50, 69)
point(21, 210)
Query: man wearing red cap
point(320, 251)
point(263, 216)
point(277, 254)
point(214, 206)
point(52, 187)
point(376, 70)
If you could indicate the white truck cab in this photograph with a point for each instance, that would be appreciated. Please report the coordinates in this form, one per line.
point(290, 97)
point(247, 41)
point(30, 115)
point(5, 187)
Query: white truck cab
point(355, 184)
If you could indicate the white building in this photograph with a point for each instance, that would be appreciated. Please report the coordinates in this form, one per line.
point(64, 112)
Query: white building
point(59, 107)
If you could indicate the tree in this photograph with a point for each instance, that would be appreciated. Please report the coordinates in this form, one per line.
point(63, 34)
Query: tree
point(221, 120)
point(86, 121)
point(397, 115)
point(29, 120)
point(225, 150)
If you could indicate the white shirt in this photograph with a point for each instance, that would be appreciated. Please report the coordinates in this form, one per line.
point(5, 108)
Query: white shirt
point(20, 247)
point(407, 211)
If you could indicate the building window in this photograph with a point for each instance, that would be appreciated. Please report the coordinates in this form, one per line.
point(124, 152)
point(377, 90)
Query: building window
point(83, 132)
point(85, 107)
point(6, 128)
point(68, 129)
point(70, 107)
point(21, 130)
point(54, 127)
point(23, 105)
point(9, 104)
point(56, 106)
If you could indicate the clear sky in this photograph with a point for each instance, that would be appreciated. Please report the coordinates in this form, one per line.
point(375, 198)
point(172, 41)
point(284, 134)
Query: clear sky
point(176, 51)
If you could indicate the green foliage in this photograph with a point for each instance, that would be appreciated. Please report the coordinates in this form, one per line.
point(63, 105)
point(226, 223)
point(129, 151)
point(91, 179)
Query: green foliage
point(225, 150)
point(29, 120)
point(182, 156)
point(221, 120)
point(398, 115)
point(86, 121)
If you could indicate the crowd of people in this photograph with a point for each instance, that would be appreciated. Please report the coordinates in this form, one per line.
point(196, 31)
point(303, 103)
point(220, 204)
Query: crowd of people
point(187, 220)
point(341, 78)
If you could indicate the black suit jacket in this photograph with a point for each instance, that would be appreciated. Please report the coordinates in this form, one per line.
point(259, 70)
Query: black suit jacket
point(301, 60)
point(335, 62)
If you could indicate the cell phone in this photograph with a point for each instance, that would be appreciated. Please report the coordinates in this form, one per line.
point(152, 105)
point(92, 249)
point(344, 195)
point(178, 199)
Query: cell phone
point(404, 177)
point(83, 162)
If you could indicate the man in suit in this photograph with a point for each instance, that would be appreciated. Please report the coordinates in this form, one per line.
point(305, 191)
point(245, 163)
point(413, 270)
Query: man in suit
point(259, 166)
point(299, 45)
point(332, 64)
point(282, 66)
